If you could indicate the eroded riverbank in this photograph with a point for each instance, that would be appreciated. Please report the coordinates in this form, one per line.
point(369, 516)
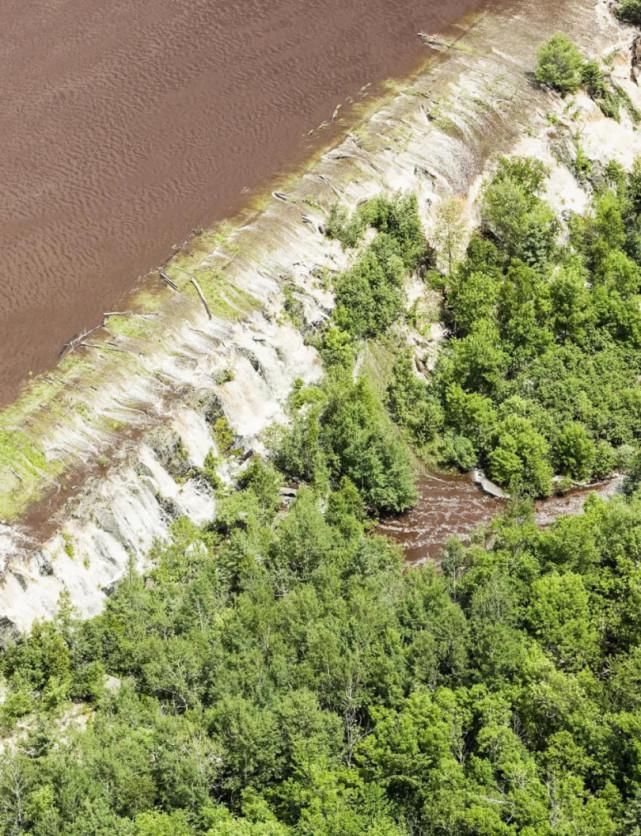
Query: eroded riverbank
point(139, 123)
point(113, 441)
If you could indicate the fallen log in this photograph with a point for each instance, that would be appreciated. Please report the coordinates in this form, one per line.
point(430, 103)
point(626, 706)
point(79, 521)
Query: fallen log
point(434, 41)
point(487, 486)
point(201, 295)
point(168, 281)
point(105, 347)
point(76, 341)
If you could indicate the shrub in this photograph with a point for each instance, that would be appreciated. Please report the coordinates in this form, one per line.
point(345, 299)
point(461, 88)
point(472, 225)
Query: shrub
point(629, 11)
point(369, 296)
point(341, 227)
point(210, 471)
point(593, 79)
point(458, 451)
point(223, 435)
point(409, 401)
point(575, 451)
point(559, 65)
point(337, 347)
point(346, 433)
point(526, 172)
point(400, 220)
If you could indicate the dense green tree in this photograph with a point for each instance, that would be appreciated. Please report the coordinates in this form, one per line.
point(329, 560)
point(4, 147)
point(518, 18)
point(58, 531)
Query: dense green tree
point(479, 362)
point(471, 296)
point(512, 211)
point(575, 451)
point(346, 433)
point(547, 336)
point(629, 11)
point(560, 616)
point(277, 671)
point(499, 696)
point(571, 312)
point(559, 64)
point(369, 296)
point(521, 458)
point(410, 402)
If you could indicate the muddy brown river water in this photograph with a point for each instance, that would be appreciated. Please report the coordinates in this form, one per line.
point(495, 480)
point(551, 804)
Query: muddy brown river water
point(451, 505)
point(124, 125)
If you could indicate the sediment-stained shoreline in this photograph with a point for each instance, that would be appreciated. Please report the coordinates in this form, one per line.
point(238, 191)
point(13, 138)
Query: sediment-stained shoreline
point(142, 121)
point(91, 448)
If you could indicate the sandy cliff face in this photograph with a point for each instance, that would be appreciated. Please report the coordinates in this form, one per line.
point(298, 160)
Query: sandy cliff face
point(106, 451)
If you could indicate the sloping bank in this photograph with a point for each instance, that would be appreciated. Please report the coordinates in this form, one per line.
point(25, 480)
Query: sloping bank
point(98, 457)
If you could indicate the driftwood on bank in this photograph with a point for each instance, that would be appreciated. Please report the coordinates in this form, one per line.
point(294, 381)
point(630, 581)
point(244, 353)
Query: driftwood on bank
point(434, 41)
point(76, 341)
point(487, 486)
point(168, 281)
point(196, 285)
point(105, 347)
point(194, 281)
point(148, 315)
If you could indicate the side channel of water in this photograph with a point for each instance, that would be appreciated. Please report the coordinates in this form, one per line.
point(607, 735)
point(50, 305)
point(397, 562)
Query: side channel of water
point(452, 505)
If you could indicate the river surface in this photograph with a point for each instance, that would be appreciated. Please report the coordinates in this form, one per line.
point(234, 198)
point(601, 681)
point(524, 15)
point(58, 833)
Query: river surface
point(127, 124)
point(451, 505)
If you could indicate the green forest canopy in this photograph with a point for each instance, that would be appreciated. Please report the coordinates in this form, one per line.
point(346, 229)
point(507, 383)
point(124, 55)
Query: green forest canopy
point(539, 376)
point(284, 675)
point(279, 673)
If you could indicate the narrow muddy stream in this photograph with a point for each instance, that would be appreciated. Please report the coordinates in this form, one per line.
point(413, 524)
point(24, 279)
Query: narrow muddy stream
point(451, 505)
point(125, 125)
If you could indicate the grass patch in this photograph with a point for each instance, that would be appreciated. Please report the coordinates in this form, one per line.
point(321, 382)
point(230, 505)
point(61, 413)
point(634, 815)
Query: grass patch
point(131, 326)
point(378, 361)
point(24, 471)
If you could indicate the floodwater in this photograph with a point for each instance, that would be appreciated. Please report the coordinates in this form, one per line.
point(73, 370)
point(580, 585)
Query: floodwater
point(126, 124)
point(451, 505)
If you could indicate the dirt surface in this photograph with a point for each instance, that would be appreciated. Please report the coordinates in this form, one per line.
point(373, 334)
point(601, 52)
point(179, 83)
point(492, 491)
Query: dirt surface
point(127, 124)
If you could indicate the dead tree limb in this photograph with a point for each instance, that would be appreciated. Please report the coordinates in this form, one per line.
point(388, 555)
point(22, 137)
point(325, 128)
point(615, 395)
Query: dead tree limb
point(148, 315)
point(74, 342)
point(199, 291)
point(105, 347)
point(168, 281)
point(201, 295)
